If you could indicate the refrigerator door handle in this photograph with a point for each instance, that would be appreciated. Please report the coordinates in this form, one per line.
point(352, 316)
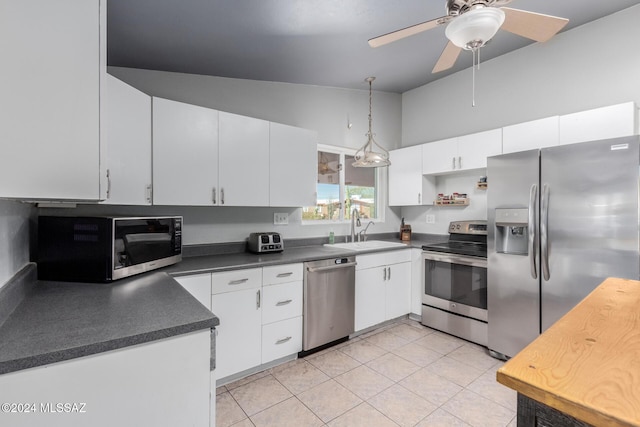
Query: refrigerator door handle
point(533, 198)
point(544, 237)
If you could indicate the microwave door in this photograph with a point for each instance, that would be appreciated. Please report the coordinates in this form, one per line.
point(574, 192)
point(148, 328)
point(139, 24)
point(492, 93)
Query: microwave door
point(143, 247)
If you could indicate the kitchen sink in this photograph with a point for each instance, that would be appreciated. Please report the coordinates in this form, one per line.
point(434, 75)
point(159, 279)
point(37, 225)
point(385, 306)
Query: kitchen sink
point(365, 246)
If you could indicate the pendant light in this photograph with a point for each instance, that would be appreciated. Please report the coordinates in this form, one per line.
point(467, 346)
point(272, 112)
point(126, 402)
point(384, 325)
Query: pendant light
point(366, 157)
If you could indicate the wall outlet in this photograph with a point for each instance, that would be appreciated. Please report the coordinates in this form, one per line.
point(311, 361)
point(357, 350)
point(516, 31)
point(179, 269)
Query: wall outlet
point(431, 219)
point(280, 218)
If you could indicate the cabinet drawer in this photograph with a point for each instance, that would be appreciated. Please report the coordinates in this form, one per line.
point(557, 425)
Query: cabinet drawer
point(236, 280)
point(383, 258)
point(281, 339)
point(281, 274)
point(281, 302)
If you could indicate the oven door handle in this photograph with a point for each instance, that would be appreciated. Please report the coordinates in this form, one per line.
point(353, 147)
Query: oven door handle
point(455, 259)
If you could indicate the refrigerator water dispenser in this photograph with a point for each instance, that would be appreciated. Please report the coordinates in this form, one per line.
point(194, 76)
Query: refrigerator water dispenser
point(512, 231)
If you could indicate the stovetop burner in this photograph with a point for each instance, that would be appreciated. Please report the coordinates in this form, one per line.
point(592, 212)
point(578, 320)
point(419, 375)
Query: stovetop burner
point(465, 238)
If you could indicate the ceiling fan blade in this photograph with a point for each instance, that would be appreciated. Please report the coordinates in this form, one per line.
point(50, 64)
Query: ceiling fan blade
point(409, 31)
point(534, 26)
point(448, 57)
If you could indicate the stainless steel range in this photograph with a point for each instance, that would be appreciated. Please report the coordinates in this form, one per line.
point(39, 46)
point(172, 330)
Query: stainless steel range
point(454, 282)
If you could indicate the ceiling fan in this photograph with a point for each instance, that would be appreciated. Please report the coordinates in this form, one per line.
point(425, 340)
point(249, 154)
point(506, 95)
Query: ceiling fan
point(472, 23)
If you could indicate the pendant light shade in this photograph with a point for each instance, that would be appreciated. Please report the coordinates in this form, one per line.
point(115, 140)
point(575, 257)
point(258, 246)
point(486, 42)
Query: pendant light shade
point(476, 27)
point(366, 157)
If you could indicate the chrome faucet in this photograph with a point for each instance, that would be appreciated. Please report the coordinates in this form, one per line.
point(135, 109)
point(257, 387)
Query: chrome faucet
point(363, 233)
point(355, 221)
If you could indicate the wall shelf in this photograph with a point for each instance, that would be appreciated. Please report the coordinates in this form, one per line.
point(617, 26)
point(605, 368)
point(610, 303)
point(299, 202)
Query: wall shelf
point(452, 202)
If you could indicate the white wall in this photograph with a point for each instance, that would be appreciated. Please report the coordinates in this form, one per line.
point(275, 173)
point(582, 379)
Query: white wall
point(14, 238)
point(323, 109)
point(591, 66)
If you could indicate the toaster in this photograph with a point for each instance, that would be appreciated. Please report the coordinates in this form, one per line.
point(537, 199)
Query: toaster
point(265, 242)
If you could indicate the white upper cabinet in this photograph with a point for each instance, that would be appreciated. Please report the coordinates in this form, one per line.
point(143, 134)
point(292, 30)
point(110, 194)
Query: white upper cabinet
point(292, 158)
point(601, 123)
point(407, 185)
point(474, 149)
point(531, 135)
point(185, 154)
point(439, 156)
point(53, 64)
point(462, 153)
point(129, 138)
point(244, 161)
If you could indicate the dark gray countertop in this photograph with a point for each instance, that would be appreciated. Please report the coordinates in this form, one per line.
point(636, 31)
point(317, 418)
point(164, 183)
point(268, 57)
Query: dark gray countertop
point(235, 261)
point(58, 321)
point(62, 320)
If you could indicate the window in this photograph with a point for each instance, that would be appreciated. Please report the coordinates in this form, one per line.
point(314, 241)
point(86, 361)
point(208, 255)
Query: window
point(342, 188)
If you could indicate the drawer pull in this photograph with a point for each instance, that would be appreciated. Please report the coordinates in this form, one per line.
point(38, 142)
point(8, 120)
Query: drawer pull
point(238, 282)
point(283, 340)
point(285, 274)
point(285, 302)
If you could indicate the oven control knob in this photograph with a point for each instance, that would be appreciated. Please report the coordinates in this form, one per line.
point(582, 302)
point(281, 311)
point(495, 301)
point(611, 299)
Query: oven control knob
point(453, 305)
point(458, 227)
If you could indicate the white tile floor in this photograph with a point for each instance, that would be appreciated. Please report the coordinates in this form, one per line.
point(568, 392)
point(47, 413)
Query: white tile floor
point(402, 374)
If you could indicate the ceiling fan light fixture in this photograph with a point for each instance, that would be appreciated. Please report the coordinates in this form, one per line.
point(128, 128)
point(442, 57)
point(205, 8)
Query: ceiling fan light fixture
point(366, 157)
point(474, 28)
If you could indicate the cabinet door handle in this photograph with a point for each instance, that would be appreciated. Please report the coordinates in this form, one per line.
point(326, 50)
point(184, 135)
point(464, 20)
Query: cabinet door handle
point(222, 196)
point(258, 299)
point(285, 274)
point(213, 196)
point(238, 281)
point(285, 302)
point(108, 183)
point(389, 275)
point(149, 192)
point(459, 162)
point(385, 273)
point(283, 340)
point(453, 163)
point(419, 198)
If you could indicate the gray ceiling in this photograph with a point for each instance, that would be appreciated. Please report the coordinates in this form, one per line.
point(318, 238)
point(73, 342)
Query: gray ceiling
point(314, 42)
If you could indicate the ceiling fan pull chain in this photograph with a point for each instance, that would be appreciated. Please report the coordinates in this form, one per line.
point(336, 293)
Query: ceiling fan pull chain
point(473, 78)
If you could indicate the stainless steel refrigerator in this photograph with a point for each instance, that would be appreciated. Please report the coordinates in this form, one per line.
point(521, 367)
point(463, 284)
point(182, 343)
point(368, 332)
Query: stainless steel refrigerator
point(560, 220)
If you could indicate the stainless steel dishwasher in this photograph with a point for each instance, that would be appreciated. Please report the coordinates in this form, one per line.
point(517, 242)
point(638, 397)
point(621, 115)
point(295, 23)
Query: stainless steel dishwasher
point(329, 302)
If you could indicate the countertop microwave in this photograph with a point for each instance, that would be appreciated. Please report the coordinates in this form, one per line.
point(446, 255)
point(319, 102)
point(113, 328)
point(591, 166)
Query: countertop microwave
point(103, 249)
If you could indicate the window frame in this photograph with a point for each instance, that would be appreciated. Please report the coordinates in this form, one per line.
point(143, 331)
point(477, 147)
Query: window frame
point(380, 188)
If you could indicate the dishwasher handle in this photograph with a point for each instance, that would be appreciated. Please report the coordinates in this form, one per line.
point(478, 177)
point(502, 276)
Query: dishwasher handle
point(331, 267)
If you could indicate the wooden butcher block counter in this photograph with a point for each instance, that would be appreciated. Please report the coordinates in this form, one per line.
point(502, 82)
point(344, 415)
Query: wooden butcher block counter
point(585, 369)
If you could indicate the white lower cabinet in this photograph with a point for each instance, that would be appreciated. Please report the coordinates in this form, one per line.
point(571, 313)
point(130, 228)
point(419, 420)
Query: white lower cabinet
point(260, 312)
point(398, 290)
point(416, 281)
point(281, 311)
point(281, 339)
point(236, 301)
point(383, 287)
point(159, 383)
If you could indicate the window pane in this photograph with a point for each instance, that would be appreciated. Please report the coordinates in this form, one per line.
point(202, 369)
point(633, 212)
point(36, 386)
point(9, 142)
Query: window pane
point(328, 199)
point(360, 190)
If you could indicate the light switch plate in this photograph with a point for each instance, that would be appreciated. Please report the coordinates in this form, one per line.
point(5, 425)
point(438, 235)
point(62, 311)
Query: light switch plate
point(431, 219)
point(280, 218)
